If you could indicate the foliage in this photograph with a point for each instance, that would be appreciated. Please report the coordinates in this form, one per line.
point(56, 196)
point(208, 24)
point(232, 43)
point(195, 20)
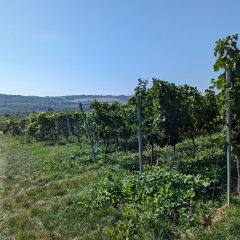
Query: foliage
point(160, 192)
point(228, 59)
point(47, 184)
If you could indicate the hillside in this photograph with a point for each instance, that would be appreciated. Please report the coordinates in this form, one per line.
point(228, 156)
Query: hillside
point(12, 104)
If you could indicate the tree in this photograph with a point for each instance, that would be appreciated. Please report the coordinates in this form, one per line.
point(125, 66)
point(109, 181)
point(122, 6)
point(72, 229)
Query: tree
point(108, 121)
point(228, 59)
point(127, 114)
point(211, 113)
point(146, 102)
point(166, 106)
point(192, 113)
point(78, 125)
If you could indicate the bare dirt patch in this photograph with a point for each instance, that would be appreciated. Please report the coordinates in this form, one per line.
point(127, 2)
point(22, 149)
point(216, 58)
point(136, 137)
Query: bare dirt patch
point(218, 214)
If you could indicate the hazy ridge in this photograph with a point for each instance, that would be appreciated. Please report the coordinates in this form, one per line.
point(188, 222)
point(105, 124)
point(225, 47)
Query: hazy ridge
point(11, 104)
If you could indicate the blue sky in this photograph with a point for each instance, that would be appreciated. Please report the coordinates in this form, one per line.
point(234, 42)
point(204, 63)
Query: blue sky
point(65, 47)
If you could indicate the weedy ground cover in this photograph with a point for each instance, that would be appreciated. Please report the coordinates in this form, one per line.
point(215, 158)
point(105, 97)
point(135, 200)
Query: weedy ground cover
point(60, 192)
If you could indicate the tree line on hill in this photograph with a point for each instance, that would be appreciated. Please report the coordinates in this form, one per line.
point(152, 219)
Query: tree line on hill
point(17, 104)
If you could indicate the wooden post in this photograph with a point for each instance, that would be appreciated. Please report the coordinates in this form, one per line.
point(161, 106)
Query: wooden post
point(68, 126)
point(139, 134)
point(229, 144)
point(94, 134)
point(88, 132)
point(57, 132)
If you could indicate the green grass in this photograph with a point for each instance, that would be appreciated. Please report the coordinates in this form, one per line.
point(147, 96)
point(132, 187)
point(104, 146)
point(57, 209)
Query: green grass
point(45, 186)
point(226, 227)
point(40, 182)
point(34, 196)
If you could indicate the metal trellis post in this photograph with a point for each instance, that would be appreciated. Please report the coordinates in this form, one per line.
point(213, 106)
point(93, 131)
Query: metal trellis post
point(229, 144)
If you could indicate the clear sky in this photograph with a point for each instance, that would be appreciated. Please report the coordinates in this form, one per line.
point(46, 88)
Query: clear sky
point(65, 47)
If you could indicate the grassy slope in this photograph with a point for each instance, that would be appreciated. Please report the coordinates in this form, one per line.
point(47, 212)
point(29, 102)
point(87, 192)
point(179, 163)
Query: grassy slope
point(227, 225)
point(2, 176)
point(42, 183)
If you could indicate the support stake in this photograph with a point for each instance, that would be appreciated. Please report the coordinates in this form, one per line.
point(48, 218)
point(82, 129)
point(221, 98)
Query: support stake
point(88, 132)
point(139, 134)
point(229, 144)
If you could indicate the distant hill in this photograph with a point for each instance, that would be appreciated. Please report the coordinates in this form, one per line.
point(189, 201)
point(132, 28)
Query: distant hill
point(12, 104)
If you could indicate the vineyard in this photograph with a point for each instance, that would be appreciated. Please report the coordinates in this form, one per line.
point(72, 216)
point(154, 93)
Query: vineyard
point(77, 175)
